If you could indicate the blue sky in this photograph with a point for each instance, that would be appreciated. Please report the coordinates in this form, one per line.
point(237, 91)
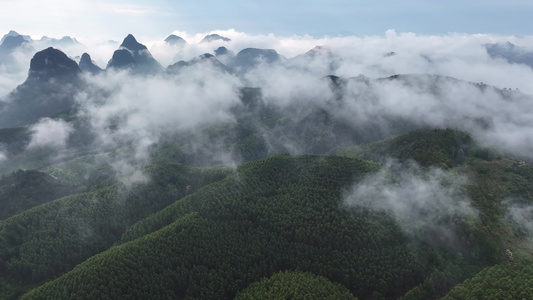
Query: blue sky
point(115, 18)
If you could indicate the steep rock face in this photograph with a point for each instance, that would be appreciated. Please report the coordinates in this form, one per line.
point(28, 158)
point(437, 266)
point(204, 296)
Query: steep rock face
point(214, 37)
point(135, 56)
point(49, 91)
point(121, 59)
point(131, 44)
point(175, 40)
point(50, 63)
point(87, 65)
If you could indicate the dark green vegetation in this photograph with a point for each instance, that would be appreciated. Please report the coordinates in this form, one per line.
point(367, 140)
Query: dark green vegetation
point(440, 148)
point(273, 227)
point(295, 285)
point(22, 190)
point(42, 243)
point(505, 281)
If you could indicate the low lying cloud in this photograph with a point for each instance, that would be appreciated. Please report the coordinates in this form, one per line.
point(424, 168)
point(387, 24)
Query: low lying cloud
point(125, 109)
point(422, 201)
point(521, 217)
point(50, 133)
point(13, 71)
point(135, 110)
point(460, 56)
point(144, 107)
point(500, 119)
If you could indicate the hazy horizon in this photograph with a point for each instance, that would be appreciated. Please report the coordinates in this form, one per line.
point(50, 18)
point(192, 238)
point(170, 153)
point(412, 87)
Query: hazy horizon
point(114, 19)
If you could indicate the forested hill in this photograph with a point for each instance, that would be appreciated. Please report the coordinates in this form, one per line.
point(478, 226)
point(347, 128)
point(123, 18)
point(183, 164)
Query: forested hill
point(22, 190)
point(301, 226)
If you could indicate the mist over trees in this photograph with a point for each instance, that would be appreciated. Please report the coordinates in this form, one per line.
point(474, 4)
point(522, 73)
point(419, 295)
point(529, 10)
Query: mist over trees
point(224, 165)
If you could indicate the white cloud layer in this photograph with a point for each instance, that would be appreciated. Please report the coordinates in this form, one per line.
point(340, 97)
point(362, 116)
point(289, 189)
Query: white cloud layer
point(422, 201)
point(138, 110)
point(521, 216)
point(50, 133)
point(144, 107)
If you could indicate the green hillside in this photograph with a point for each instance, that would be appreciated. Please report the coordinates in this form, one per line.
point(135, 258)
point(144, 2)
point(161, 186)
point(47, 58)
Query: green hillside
point(442, 148)
point(280, 213)
point(274, 226)
point(41, 243)
point(506, 281)
point(295, 285)
point(22, 190)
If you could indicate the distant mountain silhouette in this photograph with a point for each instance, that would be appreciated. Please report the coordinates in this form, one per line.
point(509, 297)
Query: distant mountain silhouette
point(14, 33)
point(135, 56)
point(206, 58)
point(511, 53)
point(175, 40)
point(221, 51)
point(251, 57)
point(224, 55)
point(87, 65)
point(10, 44)
point(214, 37)
point(65, 41)
point(318, 59)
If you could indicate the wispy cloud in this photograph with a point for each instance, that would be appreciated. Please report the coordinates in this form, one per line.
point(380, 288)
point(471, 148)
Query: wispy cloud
point(422, 201)
point(50, 133)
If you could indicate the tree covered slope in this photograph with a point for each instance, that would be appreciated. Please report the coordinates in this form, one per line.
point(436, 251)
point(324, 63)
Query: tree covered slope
point(505, 281)
point(48, 240)
point(279, 213)
point(219, 233)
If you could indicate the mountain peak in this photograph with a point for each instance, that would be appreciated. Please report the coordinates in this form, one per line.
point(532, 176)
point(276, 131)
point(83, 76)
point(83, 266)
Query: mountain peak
point(51, 62)
point(214, 37)
point(131, 43)
point(205, 58)
point(68, 39)
point(320, 49)
point(12, 42)
point(65, 41)
point(87, 65)
point(221, 51)
point(250, 57)
point(14, 33)
point(134, 55)
point(175, 40)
